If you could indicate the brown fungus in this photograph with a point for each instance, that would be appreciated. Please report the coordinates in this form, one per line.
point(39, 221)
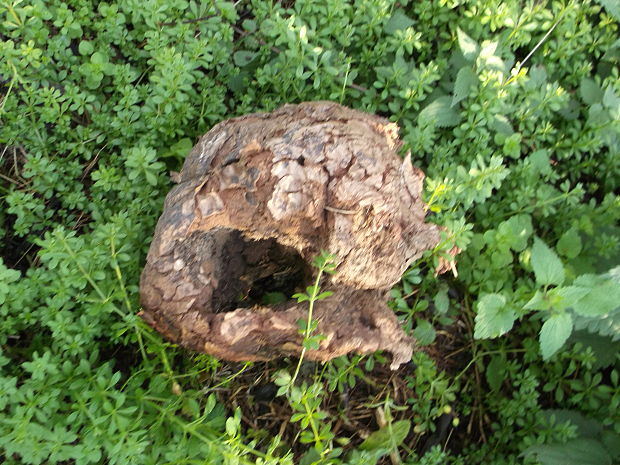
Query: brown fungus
point(258, 198)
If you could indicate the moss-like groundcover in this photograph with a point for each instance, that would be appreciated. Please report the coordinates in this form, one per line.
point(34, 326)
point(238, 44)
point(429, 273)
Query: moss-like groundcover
point(511, 108)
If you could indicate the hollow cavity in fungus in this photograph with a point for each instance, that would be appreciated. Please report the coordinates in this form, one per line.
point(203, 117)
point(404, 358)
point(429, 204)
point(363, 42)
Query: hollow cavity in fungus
point(257, 272)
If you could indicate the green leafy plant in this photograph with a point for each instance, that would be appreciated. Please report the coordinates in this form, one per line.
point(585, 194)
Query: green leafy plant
point(511, 109)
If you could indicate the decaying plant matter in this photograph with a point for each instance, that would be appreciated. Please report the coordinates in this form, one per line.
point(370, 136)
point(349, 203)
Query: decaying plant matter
point(258, 197)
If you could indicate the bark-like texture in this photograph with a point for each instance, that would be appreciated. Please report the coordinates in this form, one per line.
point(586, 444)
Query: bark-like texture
point(259, 197)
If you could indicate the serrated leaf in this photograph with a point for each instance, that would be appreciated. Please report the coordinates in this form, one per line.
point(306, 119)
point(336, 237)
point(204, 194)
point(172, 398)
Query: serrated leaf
point(439, 113)
point(586, 427)
point(465, 79)
point(604, 325)
point(441, 300)
point(537, 302)
point(554, 333)
point(469, 47)
point(569, 244)
point(580, 451)
point(494, 317)
point(249, 25)
point(604, 348)
point(243, 57)
point(389, 437)
point(516, 231)
point(603, 298)
point(496, 372)
point(547, 265)
point(612, 7)
point(564, 297)
point(424, 332)
point(398, 21)
point(612, 102)
point(590, 91)
point(539, 160)
point(501, 125)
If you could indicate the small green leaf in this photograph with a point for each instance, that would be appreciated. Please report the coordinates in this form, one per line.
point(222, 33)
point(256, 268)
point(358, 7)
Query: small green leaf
point(249, 25)
point(231, 426)
point(469, 48)
point(389, 437)
point(273, 298)
point(547, 265)
point(98, 58)
point(324, 295)
point(554, 333)
point(301, 297)
point(494, 317)
point(465, 79)
point(85, 47)
point(180, 149)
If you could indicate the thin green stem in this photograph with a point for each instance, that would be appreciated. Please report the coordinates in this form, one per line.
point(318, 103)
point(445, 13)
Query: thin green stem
point(315, 292)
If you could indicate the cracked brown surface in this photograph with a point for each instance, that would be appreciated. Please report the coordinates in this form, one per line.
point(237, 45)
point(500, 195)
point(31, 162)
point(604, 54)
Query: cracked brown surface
point(259, 197)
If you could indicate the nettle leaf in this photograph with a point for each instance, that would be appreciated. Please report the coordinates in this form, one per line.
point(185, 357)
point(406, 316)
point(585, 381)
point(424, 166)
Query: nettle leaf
point(612, 102)
point(439, 113)
point(488, 57)
point(389, 437)
point(554, 333)
point(441, 300)
point(424, 332)
point(539, 161)
point(398, 22)
point(516, 231)
point(465, 79)
point(580, 451)
point(569, 244)
point(494, 317)
point(243, 57)
point(603, 347)
point(538, 302)
point(590, 91)
point(501, 125)
point(547, 265)
point(612, 7)
point(496, 372)
point(469, 47)
point(603, 297)
point(564, 297)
